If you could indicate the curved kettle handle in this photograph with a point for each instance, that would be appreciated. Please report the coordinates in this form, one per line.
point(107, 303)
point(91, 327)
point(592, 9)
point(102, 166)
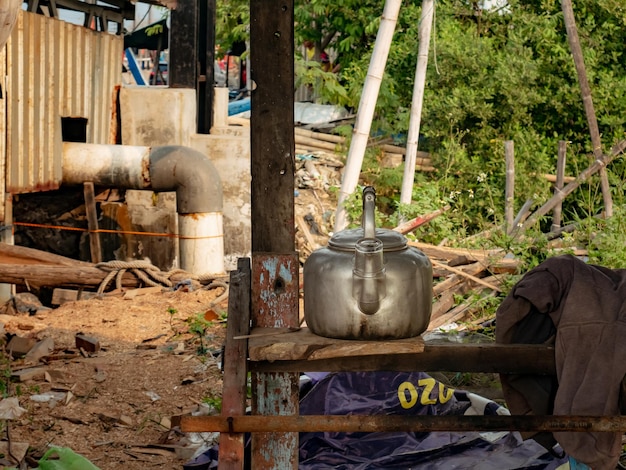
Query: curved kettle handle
point(369, 207)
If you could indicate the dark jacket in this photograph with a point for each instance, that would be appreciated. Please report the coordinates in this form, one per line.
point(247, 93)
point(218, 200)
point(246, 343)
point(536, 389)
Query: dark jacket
point(587, 324)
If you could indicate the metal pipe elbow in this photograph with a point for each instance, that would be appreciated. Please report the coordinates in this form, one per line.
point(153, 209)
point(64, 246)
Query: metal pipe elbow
point(191, 174)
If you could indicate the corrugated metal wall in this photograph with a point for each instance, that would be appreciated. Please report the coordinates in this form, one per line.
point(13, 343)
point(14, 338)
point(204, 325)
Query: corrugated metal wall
point(54, 69)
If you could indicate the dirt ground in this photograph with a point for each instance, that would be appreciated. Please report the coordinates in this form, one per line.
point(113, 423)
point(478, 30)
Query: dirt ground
point(115, 406)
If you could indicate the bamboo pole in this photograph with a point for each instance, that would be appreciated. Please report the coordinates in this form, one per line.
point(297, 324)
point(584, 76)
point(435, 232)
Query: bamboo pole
point(337, 139)
point(509, 191)
point(320, 144)
point(552, 178)
point(523, 213)
point(581, 178)
point(396, 149)
point(585, 90)
point(367, 105)
point(425, 28)
point(558, 186)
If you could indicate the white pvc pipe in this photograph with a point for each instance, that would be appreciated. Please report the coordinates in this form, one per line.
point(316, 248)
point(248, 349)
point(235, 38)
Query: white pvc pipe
point(367, 105)
point(202, 243)
point(425, 28)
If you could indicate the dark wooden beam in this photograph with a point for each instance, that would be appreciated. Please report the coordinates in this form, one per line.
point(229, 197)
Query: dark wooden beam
point(183, 45)
point(271, 127)
point(488, 358)
point(206, 59)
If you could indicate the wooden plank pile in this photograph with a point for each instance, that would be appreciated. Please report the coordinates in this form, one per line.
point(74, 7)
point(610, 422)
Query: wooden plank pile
point(459, 271)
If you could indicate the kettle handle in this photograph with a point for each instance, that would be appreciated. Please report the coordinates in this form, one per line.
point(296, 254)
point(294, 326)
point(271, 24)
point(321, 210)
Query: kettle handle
point(369, 207)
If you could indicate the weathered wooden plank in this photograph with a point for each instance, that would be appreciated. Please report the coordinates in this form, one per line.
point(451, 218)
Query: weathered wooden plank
point(451, 281)
point(304, 345)
point(509, 190)
point(446, 301)
point(458, 313)
point(16, 252)
point(231, 456)
point(61, 296)
point(92, 222)
point(463, 273)
point(448, 253)
point(337, 139)
point(453, 357)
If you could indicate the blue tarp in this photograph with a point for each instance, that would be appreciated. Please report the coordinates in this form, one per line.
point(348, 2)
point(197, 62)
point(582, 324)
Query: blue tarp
point(404, 393)
point(414, 393)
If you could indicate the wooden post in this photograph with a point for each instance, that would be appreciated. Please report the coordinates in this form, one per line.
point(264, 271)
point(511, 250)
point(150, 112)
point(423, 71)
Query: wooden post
point(509, 192)
point(231, 455)
point(558, 186)
point(92, 222)
point(585, 90)
point(274, 262)
point(206, 59)
point(183, 45)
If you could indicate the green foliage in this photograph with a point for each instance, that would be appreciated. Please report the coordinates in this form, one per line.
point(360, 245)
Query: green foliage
point(325, 83)
point(215, 403)
point(231, 23)
point(604, 239)
point(154, 29)
point(5, 374)
point(198, 326)
point(494, 76)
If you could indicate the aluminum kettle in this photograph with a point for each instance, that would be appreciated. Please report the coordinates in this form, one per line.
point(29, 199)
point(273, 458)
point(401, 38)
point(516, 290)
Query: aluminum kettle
point(368, 283)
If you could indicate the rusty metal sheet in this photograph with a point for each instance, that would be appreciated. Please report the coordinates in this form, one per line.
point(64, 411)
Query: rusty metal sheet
point(54, 69)
point(275, 290)
point(408, 423)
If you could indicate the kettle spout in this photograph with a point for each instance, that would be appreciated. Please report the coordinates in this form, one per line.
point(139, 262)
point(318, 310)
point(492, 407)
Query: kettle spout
point(368, 275)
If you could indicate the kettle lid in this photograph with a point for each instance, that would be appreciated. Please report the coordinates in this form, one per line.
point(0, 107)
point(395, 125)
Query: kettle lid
point(346, 240)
